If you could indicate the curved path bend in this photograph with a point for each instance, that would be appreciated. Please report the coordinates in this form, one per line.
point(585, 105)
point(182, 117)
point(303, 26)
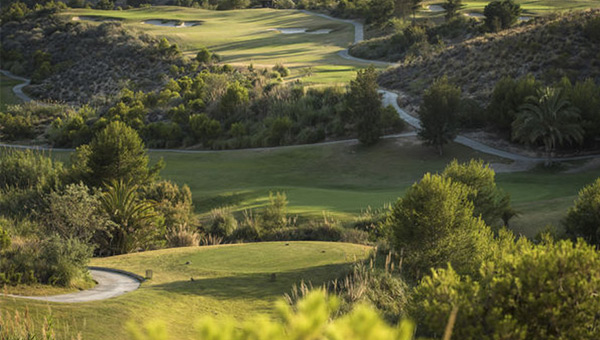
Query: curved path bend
point(109, 284)
point(388, 98)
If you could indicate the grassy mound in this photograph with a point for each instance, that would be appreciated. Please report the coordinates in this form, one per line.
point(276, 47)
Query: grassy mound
point(228, 281)
point(549, 48)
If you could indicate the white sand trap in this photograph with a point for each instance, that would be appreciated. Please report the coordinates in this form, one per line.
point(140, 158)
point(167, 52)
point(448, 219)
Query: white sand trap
point(435, 8)
point(172, 23)
point(299, 31)
point(524, 18)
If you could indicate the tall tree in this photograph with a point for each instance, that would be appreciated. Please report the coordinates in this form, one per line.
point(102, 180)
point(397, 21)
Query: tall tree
point(364, 104)
point(548, 119)
point(439, 113)
point(116, 153)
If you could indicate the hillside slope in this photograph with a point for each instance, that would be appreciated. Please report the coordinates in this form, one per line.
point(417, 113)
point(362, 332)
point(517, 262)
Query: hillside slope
point(549, 48)
point(85, 61)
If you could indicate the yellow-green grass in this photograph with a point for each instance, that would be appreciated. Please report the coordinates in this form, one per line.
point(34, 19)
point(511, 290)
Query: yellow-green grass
point(341, 180)
point(7, 96)
point(229, 281)
point(243, 37)
point(530, 7)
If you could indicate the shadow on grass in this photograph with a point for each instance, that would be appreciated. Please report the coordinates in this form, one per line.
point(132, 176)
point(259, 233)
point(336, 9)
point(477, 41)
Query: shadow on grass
point(256, 285)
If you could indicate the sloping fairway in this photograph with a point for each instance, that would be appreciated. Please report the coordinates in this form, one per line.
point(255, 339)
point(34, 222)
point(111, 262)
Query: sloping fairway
point(248, 36)
point(229, 281)
point(343, 179)
point(529, 7)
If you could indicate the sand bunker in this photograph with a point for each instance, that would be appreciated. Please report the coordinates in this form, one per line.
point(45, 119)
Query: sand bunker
point(435, 8)
point(172, 23)
point(300, 31)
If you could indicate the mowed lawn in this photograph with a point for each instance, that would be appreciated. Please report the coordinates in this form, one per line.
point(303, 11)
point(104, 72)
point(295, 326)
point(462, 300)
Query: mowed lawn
point(229, 281)
point(246, 37)
point(341, 180)
point(7, 96)
point(529, 7)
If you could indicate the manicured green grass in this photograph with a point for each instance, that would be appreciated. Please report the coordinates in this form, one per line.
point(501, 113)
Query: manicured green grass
point(7, 96)
point(342, 179)
point(530, 7)
point(245, 36)
point(229, 281)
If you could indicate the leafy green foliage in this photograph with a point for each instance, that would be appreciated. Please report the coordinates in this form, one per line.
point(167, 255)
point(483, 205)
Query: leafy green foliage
point(501, 14)
point(583, 219)
point(452, 7)
point(134, 222)
point(439, 113)
point(546, 291)
point(74, 212)
point(364, 104)
point(508, 96)
point(15, 127)
point(53, 261)
point(204, 55)
point(548, 119)
point(489, 202)
point(433, 224)
point(204, 129)
point(115, 153)
point(173, 202)
point(311, 318)
point(222, 223)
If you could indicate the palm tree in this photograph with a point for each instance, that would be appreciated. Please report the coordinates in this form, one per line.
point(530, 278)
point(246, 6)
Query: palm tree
point(549, 119)
point(134, 221)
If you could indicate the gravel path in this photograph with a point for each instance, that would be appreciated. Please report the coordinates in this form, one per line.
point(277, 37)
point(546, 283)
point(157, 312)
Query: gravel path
point(110, 284)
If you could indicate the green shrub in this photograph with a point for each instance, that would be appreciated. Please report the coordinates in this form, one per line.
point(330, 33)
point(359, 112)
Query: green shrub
point(282, 70)
point(284, 4)
point(501, 14)
point(508, 96)
point(14, 127)
point(204, 55)
point(274, 215)
point(54, 261)
point(182, 236)
point(221, 222)
point(74, 212)
point(433, 225)
point(173, 202)
point(29, 170)
point(583, 219)
point(548, 291)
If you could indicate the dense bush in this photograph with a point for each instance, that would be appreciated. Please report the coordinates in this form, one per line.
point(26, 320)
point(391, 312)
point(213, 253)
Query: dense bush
point(548, 291)
point(173, 202)
point(433, 224)
point(583, 219)
point(501, 14)
point(15, 127)
point(364, 104)
point(221, 222)
point(508, 96)
point(53, 261)
point(75, 212)
point(489, 202)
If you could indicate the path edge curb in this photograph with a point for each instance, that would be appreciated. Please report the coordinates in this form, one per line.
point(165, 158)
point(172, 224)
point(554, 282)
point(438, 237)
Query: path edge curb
point(119, 271)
